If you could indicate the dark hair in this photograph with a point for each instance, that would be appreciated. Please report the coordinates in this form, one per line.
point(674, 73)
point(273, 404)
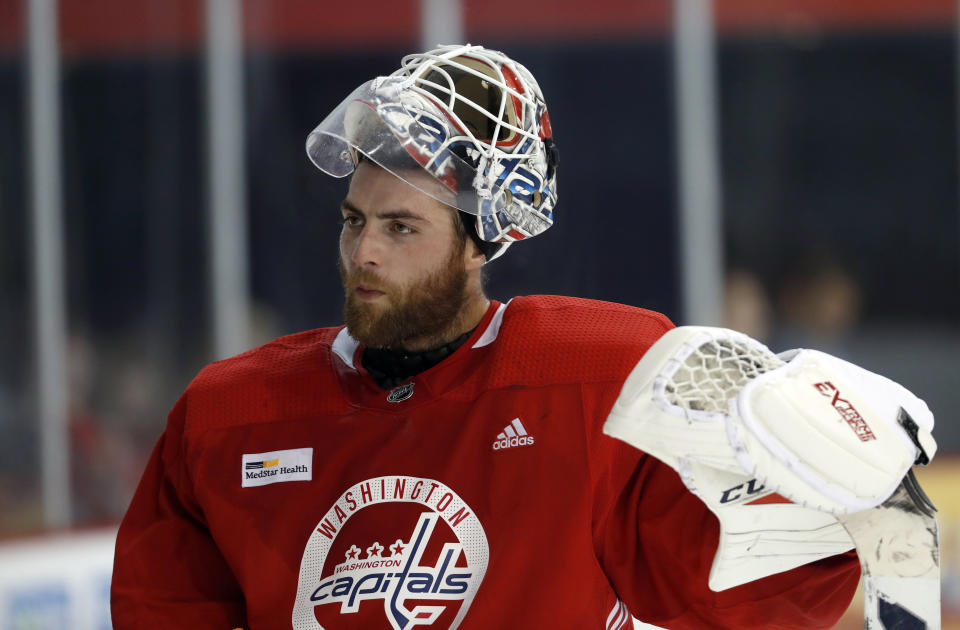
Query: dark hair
point(467, 223)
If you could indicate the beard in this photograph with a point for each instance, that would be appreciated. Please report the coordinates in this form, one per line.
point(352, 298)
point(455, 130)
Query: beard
point(427, 307)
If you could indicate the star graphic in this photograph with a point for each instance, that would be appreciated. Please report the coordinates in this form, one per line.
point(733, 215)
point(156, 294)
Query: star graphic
point(353, 552)
point(373, 551)
point(396, 548)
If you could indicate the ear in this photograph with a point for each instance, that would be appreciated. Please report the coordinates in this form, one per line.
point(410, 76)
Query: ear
point(473, 258)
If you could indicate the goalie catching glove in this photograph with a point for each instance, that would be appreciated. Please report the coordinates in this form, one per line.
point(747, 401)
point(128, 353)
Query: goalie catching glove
point(719, 408)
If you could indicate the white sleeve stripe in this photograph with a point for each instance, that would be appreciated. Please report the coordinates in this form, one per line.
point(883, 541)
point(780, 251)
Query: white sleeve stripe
point(613, 611)
point(626, 616)
point(618, 617)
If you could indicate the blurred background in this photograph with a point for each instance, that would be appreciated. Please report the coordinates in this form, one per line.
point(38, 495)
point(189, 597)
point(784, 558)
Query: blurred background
point(787, 169)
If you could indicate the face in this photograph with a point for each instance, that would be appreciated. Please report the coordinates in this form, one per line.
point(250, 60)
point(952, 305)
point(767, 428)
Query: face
point(404, 268)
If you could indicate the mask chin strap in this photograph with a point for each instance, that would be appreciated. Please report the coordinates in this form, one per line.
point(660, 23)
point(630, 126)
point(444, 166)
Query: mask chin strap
point(501, 250)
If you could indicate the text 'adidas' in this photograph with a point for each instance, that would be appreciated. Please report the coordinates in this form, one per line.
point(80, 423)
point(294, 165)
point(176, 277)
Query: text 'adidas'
point(514, 434)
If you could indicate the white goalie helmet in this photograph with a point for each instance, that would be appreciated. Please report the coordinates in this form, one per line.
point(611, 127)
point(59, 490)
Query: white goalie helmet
point(472, 118)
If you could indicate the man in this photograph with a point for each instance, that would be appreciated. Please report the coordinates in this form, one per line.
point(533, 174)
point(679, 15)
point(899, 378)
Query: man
point(439, 461)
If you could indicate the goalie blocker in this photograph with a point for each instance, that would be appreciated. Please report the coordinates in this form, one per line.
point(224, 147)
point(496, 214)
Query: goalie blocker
point(739, 423)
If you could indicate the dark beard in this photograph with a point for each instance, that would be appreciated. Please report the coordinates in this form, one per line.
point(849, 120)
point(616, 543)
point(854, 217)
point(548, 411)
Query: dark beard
point(427, 308)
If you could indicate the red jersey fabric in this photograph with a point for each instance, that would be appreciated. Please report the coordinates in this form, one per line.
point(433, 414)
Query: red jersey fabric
point(288, 492)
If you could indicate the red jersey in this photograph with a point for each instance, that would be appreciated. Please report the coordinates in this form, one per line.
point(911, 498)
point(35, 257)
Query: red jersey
point(290, 491)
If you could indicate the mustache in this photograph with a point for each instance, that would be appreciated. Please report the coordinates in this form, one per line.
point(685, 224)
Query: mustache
point(369, 279)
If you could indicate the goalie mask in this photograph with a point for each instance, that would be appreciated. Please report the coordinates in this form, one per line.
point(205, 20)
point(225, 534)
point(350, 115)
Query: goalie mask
point(474, 119)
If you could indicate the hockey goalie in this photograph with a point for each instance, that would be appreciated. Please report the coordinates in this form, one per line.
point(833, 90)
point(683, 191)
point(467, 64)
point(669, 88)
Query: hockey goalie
point(444, 460)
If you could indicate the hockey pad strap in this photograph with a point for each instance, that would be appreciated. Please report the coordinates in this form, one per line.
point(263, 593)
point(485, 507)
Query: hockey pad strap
point(829, 434)
point(761, 533)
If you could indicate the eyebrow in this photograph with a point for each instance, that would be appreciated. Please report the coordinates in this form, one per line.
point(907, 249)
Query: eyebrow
point(399, 213)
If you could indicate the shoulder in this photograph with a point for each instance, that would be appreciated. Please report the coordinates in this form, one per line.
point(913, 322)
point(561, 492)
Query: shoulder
point(579, 316)
point(575, 339)
point(265, 383)
point(283, 355)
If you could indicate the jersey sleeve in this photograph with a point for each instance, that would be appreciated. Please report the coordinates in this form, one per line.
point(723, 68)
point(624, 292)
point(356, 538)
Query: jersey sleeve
point(168, 571)
point(656, 541)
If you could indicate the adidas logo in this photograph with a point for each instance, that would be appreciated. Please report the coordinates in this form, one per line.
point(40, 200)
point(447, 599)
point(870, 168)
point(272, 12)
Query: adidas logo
point(513, 435)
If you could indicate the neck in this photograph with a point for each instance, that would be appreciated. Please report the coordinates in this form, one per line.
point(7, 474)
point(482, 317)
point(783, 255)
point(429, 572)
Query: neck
point(469, 318)
point(389, 368)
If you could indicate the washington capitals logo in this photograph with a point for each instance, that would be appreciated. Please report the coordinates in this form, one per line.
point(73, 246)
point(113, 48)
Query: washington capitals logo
point(397, 578)
point(417, 585)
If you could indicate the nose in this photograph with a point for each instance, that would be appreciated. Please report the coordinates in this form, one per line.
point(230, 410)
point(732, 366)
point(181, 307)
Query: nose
point(363, 247)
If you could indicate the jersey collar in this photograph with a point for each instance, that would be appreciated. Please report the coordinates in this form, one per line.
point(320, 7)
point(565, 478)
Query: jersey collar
point(346, 347)
point(361, 390)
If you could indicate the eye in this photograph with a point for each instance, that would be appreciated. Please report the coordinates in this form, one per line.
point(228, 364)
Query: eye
point(402, 228)
point(351, 220)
